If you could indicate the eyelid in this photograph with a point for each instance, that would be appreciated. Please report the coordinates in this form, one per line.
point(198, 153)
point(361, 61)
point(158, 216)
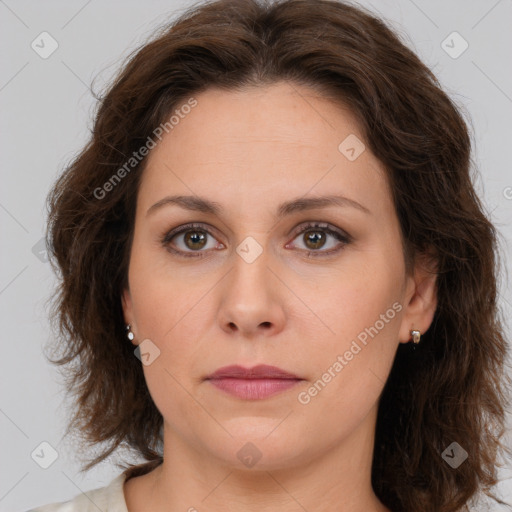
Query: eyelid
point(186, 227)
point(327, 226)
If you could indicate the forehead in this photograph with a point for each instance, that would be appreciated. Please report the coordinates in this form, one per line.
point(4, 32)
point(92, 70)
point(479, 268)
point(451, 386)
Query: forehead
point(269, 142)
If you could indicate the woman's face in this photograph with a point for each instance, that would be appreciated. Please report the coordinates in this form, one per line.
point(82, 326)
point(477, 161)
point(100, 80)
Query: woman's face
point(245, 286)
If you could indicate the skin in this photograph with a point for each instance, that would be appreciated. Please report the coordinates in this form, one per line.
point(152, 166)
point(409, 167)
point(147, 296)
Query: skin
point(250, 151)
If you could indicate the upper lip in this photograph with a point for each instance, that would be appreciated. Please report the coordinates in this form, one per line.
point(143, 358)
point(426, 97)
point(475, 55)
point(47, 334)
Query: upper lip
point(261, 371)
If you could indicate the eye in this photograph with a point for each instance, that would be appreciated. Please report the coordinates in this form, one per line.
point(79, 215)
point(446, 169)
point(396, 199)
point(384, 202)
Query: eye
point(315, 235)
point(191, 238)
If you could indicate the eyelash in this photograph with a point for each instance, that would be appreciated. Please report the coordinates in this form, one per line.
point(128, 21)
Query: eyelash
point(320, 226)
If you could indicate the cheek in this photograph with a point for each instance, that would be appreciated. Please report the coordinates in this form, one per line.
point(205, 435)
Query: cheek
point(348, 375)
point(353, 296)
point(169, 313)
point(160, 297)
point(171, 308)
point(360, 312)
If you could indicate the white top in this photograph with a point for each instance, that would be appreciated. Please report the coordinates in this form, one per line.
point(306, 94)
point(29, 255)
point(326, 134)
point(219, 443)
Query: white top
point(107, 499)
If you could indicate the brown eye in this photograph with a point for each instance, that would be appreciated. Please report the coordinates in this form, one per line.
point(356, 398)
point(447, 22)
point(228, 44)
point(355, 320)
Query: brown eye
point(314, 239)
point(190, 241)
point(319, 239)
point(195, 239)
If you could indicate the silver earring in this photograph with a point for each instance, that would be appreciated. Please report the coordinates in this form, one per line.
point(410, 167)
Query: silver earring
point(130, 333)
point(416, 335)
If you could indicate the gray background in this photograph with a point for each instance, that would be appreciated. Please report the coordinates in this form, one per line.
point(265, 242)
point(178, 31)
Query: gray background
point(46, 107)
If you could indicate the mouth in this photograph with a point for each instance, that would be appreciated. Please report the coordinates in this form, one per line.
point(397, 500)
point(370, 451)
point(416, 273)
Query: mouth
point(255, 383)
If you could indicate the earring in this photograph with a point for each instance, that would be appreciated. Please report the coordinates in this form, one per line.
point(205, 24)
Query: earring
point(130, 333)
point(416, 335)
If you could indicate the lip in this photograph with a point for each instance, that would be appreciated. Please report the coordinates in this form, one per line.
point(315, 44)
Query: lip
point(261, 371)
point(255, 383)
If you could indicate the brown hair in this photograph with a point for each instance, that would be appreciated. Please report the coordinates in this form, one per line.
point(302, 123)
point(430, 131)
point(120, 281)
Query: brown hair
point(452, 388)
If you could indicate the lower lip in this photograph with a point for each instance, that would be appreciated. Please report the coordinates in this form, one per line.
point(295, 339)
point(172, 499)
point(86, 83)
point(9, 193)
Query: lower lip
point(253, 389)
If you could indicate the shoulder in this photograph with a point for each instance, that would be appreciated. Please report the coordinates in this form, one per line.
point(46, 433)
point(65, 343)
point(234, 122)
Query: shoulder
point(109, 498)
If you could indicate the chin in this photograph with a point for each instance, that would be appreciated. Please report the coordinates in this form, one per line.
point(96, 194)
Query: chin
point(261, 447)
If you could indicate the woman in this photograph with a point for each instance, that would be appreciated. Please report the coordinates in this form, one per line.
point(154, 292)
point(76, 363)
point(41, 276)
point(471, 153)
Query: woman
point(278, 283)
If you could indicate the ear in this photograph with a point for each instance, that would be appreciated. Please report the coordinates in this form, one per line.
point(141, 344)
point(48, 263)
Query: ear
point(420, 301)
point(127, 305)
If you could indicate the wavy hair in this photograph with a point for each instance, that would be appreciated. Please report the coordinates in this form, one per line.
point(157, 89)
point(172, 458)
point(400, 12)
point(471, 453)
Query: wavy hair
point(452, 388)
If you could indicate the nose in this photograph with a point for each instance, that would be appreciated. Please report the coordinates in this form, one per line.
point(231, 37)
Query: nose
point(251, 299)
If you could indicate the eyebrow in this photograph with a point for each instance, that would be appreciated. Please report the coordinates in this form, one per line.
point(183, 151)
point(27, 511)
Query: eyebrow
point(203, 205)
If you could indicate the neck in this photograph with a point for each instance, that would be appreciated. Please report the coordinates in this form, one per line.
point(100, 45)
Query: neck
point(338, 478)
